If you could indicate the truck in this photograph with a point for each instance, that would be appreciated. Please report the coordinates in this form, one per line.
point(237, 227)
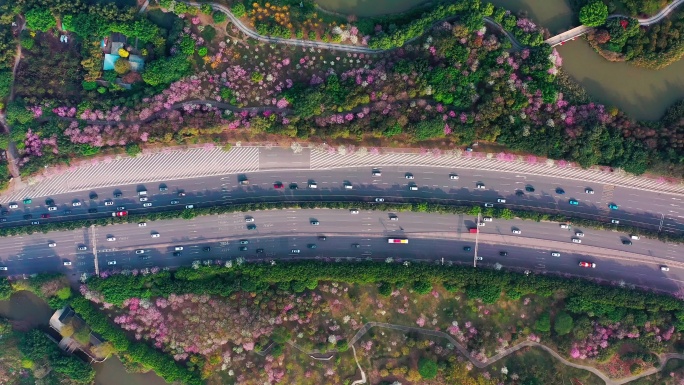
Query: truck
point(472, 230)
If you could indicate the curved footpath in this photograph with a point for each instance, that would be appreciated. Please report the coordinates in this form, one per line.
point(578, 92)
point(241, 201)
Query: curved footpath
point(664, 358)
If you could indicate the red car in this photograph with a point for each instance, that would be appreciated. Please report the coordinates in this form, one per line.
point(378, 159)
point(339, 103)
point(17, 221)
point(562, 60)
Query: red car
point(587, 264)
point(45, 215)
point(277, 185)
point(120, 214)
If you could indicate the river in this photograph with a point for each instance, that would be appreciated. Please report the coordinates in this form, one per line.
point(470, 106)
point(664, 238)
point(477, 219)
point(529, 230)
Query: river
point(27, 311)
point(643, 94)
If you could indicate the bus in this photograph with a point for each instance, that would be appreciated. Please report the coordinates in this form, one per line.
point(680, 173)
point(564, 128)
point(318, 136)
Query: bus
point(397, 240)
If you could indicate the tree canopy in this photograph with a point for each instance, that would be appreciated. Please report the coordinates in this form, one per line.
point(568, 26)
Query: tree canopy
point(594, 14)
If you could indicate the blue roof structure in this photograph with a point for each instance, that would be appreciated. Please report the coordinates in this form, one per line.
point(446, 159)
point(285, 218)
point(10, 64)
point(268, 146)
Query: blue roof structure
point(109, 61)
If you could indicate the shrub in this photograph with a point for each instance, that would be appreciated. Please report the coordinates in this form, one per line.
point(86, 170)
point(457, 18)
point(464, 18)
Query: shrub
point(133, 149)
point(422, 287)
point(385, 289)
point(40, 19)
point(594, 14)
point(427, 368)
point(88, 86)
point(238, 9)
point(219, 17)
point(563, 323)
point(122, 66)
point(206, 9)
point(166, 70)
point(543, 323)
point(202, 51)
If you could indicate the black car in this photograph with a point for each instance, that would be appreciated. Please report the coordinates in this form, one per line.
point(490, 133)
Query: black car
point(93, 195)
point(92, 211)
point(560, 191)
point(67, 211)
point(28, 216)
point(118, 195)
point(529, 188)
point(311, 245)
point(467, 248)
point(176, 253)
point(356, 245)
point(322, 238)
point(293, 186)
point(163, 188)
point(4, 212)
point(251, 227)
point(259, 251)
point(181, 194)
point(519, 193)
point(206, 248)
point(49, 202)
point(626, 242)
point(503, 253)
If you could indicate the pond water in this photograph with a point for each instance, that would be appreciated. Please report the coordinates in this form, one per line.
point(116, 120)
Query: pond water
point(641, 93)
point(112, 372)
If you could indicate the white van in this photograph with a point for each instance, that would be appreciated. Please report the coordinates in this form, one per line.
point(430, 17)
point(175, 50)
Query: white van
point(413, 188)
point(348, 186)
point(142, 193)
point(313, 185)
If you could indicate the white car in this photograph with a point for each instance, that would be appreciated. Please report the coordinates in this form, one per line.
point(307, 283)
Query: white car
point(501, 200)
point(52, 208)
point(480, 186)
point(178, 248)
point(143, 199)
point(664, 268)
point(489, 205)
point(76, 204)
point(579, 234)
point(413, 188)
point(142, 224)
point(3, 268)
point(148, 204)
point(481, 224)
point(394, 218)
point(111, 262)
point(588, 191)
point(453, 176)
point(140, 251)
point(348, 186)
point(377, 173)
point(353, 211)
point(564, 226)
point(189, 206)
point(516, 231)
point(488, 219)
point(155, 235)
point(13, 206)
point(555, 254)
point(109, 203)
point(379, 199)
point(576, 240)
point(635, 237)
point(615, 221)
point(120, 208)
point(479, 258)
point(111, 239)
point(67, 263)
point(409, 176)
point(52, 244)
point(249, 219)
point(313, 185)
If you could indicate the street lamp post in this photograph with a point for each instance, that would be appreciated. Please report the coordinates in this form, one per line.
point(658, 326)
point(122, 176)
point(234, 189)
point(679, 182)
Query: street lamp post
point(477, 236)
point(97, 266)
point(662, 218)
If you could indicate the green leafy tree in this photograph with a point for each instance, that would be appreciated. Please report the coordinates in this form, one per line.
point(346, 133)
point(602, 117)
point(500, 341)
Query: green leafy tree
point(238, 9)
point(166, 70)
point(206, 9)
point(422, 287)
point(88, 86)
point(5, 83)
point(543, 323)
point(122, 66)
point(385, 289)
point(219, 17)
point(187, 45)
point(427, 368)
point(563, 323)
point(5, 289)
point(202, 51)
point(594, 14)
point(40, 19)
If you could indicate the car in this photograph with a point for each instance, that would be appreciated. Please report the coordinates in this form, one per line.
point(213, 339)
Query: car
point(467, 248)
point(176, 253)
point(576, 240)
point(277, 185)
point(13, 206)
point(249, 219)
point(120, 208)
point(67, 211)
point(111, 239)
point(560, 191)
point(409, 176)
point(413, 187)
point(516, 231)
point(142, 193)
point(489, 205)
point(244, 241)
point(293, 186)
point(480, 186)
point(3, 219)
point(356, 245)
point(109, 203)
point(469, 149)
point(67, 263)
point(315, 223)
point(488, 219)
point(348, 186)
point(564, 226)
point(45, 216)
point(163, 188)
point(353, 211)
point(28, 216)
point(118, 195)
point(379, 199)
point(626, 242)
point(52, 208)
point(453, 176)
point(579, 234)
point(259, 251)
point(588, 191)
point(82, 248)
point(555, 254)
point(313, 185)
point(178, 248)
point(251, 227)
point(519, 193)
point(92, 210)
point(142, 199)
point(481, 224)
point(35, 223)
point(144, 257)
point(206, 248)
point(322, 238)
point(311, 246)
point(142, 224)
point(76, 203)
point(147, 204)
point(140, 251)
point(587, 264)
point(189, 207)
point(503, 253)
point(478, 258)
point(377, 173)
point(635, 237)
point(501, 200)
point(613, 206)
point(3, 268)
point(181, 194)
point(155, 235)
point(529, 188)
point(664, 268)
point(27, 201)
point(573, 202)
point(93, 195)
point(52, 244)
point(243, 248)
point(120, 213)
point(295, 251)
point(615, 221)
point(175, 202)
point(393, 218)
point(111, 263)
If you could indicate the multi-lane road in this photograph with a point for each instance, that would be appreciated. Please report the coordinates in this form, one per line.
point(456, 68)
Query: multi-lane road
point(432, 236)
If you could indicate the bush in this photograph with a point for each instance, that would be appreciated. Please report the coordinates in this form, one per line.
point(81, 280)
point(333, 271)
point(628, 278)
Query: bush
point(202, 51)
point(40, 19)
point(133, 149)
point(166, 70)
point(563, 323)
point(122, 66)
point(88, 86)
point(385, 289)
point(238, 9)
point(219, 17)
point(206, 9)
point(594, 14)
point(427, 368)
point(543, 323)
point(422, 287)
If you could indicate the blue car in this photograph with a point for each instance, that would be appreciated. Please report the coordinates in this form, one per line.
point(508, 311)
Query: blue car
point(560, 191)
point(613, 206)
point(573, 202)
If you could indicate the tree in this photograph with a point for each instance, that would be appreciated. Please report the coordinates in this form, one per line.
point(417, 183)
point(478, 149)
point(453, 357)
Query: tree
point(238, 9)
point(594, 14)
point(602, 36)
point(67, 330)
point(166, 70)
point(219, 17)
point(385, 289)
point(122, 66)
point(427, 368)
point(40, 19)
point(205, 9)
point(563, 323)
point(543, 323)
point(422, 287)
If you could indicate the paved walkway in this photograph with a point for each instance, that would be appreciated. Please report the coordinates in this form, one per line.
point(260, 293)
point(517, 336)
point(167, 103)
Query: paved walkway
point(664, 358)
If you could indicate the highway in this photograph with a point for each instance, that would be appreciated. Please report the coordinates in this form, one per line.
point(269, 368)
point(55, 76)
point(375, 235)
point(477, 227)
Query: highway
point(278, 232)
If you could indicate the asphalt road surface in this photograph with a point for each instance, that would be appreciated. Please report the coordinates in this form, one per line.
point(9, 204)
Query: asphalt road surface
point(348, 236)
point(644, 208)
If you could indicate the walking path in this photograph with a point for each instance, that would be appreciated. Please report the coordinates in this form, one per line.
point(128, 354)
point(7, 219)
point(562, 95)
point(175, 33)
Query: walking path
point(664, 358)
